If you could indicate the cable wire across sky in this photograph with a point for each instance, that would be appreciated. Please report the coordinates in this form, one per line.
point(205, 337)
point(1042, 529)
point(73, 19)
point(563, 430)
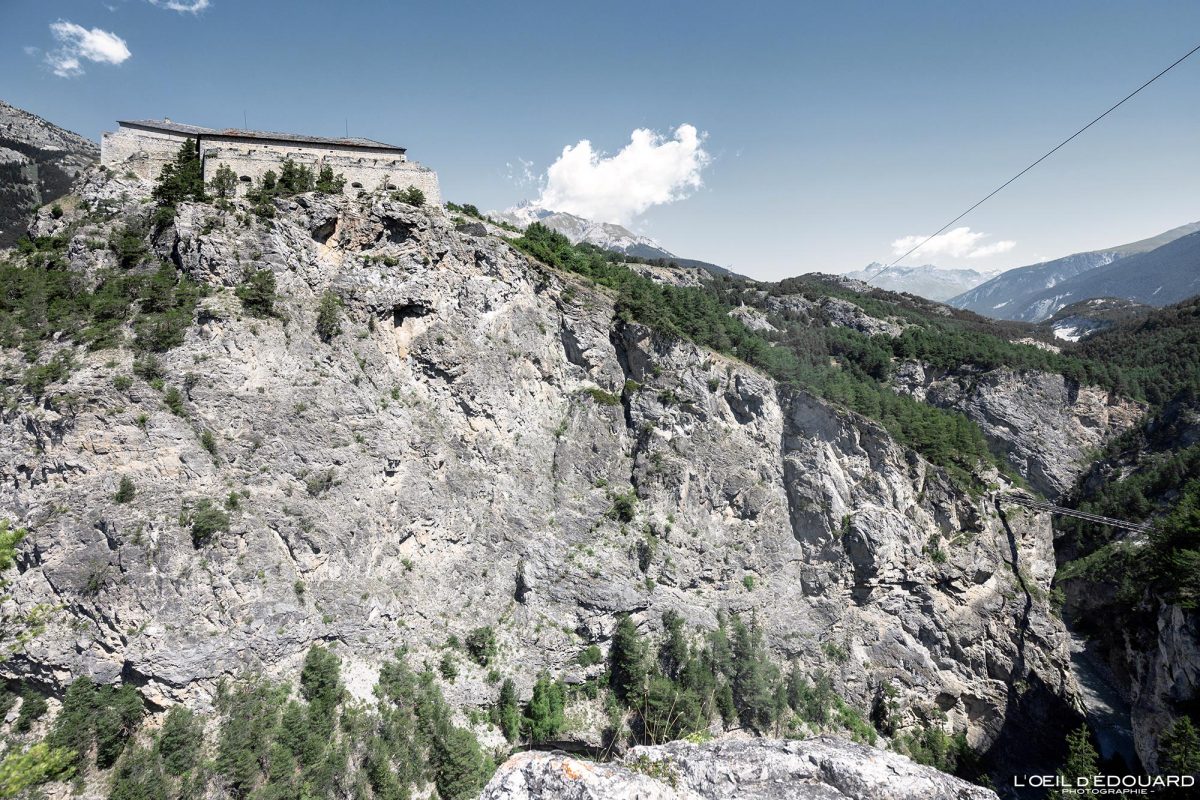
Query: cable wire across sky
point(1057, 147)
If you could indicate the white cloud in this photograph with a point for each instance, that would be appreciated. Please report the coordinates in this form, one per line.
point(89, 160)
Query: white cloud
point(956, 243)
point(78, 44)
point(183, 6)
point(651, 170)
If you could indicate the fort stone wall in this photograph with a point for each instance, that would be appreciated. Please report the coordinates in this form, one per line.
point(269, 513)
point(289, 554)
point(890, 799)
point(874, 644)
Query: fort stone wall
point(366, 169)
point(142, 152)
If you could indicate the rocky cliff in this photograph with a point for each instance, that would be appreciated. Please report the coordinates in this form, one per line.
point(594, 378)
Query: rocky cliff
point(479, 440)
point(1048, 427)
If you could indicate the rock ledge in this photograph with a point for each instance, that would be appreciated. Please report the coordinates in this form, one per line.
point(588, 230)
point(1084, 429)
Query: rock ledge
point(822, 768)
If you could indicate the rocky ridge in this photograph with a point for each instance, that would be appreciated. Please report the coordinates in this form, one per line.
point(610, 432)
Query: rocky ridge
point(38, 163)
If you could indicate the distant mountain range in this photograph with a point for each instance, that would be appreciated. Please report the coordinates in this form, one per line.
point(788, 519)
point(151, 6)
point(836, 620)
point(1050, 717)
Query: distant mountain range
point(38, 162)
point(606, 235)
point(1035, 292)
point(927, 280)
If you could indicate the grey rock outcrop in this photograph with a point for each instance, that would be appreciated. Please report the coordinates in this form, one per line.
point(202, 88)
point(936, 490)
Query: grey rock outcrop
point(453, 459)
point(1045, 424)
point(833, 311)
point(822, 768)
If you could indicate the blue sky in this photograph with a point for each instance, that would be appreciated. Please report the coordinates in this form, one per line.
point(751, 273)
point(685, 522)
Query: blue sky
point(830, 130)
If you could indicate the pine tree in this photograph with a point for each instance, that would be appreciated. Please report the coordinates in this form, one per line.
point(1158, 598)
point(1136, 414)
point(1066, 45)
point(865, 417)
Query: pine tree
point(506, 713)
point(180, 741)
point(328, 325)
point(673, 652)
point(181, 179)
point(73, 729)
point(544, 713)
point(460, 769)
point(21, 771)
point(627, 661)
point(224, 183)
point(1179, 754)
point(753, 678)
point(138, 776)
point(328, 183)
point(1081, 759)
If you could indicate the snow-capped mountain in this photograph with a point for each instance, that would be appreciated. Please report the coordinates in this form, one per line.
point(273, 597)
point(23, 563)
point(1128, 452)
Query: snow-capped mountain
point(1035, 292)
point(606, 235)
point(928, 281)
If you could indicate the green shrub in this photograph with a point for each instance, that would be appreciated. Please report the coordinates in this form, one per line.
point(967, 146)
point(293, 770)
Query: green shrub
point(448, 667)
point(624, 506)
point(589, 656)
point(603, 398)
point(125, 491)
point(33, 708)
point(206, 521)
point(162, 217)
point(209, 442)
point(38, 378)
point(319, 483)
point(257, 293)
point(932, 746)
point(411, 196)
point(328, 313)
point(129, 245)
point(173, 399)
point(481, 645)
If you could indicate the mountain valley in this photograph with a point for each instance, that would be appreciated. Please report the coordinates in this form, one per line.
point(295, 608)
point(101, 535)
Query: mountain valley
point(305, 494)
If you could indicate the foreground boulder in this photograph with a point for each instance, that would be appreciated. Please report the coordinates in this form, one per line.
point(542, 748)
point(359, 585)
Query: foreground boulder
point(823, 768)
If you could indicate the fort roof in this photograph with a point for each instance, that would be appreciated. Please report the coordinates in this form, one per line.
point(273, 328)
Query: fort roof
point(237, 133)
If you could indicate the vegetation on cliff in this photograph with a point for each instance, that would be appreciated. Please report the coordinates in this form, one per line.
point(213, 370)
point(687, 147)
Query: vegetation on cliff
point(270, 741)
point(834, 363)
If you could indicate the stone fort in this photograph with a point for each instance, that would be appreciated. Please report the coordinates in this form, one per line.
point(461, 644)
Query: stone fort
point(144, 146)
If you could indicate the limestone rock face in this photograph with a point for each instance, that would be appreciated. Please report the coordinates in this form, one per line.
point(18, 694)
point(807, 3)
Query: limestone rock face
point(1045, 424)
point(822, 768)
point(458, 456)
point(1164, 677)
